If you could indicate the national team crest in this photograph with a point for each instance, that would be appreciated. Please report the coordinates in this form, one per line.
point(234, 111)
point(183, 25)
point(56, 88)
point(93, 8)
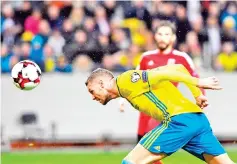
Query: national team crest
point(135, 77)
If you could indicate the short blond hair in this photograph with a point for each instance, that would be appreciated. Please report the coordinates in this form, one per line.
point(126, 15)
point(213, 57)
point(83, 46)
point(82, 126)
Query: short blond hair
point(99, 72)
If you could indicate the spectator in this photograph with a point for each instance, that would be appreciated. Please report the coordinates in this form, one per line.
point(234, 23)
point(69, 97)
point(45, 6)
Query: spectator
point(198, 27)
point(53, 17)
point(194, 48)
point(50, 58)
point(213, 31)
point(36, 53)
point(32, 22)
point(136, 31)
point(66, 9)
point(62, 65)
point(9, 32)
point(90, 28)
point(183, 47)
point(131, 59)
point(9, 27)
point(58, 4)
point(120, 39)
point(2, 21)
point(109, 62)
point(41, 5)
point(149, 41)
point(80, 44)
point(227, 59)
point(229, 16)
point(101, 20)
point(67, 31)
point(7, 59)
point(164, 11)
point(16, 51)
point(138, 10)
point(214, 10)
point(193, 10)
point(105, 45)
point(23, 12)
point(82, 63)
point(25, 51)
point(227, 34)
point(27, 36)
point(182, 23)
point(77, 16)
point(112, 9)
point(44, 31)
point(90, 7)
point(56, 41)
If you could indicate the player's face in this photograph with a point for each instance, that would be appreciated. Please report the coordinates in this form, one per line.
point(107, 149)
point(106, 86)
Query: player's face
point(164, 37)
point(98, 92)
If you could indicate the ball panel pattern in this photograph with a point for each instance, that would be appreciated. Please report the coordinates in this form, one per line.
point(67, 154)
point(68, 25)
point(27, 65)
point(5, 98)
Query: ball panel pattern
point(26, 75)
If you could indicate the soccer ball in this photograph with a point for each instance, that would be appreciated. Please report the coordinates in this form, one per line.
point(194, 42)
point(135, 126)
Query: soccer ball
point(26, 75)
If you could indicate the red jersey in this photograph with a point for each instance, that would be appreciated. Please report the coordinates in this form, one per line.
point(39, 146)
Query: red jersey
point(153, 59)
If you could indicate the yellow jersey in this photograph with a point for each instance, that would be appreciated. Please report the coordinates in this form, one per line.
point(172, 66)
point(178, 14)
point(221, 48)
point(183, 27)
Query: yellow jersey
point(228, 62)
point(152, 92)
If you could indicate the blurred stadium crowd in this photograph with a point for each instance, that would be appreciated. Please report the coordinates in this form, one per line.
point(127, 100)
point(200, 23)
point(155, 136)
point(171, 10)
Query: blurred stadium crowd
point(82, 35)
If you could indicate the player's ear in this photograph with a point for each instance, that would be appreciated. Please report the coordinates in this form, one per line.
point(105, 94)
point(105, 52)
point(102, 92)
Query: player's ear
point(155, 37)
point(101, 83)
point(174, 38)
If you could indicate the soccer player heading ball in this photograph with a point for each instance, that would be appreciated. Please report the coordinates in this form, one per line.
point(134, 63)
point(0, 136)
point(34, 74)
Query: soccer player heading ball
point(164, 54)
point(183, 124)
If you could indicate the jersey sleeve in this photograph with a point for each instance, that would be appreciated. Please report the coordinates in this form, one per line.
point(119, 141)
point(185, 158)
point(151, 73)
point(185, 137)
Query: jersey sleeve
point(132, 83)
point(180, 68)
point(166, 74)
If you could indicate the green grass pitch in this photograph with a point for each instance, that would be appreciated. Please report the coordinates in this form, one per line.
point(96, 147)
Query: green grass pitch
point(180, 157)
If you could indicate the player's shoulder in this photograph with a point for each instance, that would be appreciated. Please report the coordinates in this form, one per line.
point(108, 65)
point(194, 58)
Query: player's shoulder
point(145, 56)
point(180, 53)
point(129, 73)
point(131, 76)
point(185, 56)
point(149, 53)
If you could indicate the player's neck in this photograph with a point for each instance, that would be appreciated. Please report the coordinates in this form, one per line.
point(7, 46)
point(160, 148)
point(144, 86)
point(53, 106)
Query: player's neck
point(114, 89)
point(166, 51)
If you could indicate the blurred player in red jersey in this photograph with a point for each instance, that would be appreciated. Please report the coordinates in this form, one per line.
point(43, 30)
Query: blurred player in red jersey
point(165, 37)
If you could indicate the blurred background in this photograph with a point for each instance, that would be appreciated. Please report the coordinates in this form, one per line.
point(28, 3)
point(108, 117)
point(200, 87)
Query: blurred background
point(68, 39)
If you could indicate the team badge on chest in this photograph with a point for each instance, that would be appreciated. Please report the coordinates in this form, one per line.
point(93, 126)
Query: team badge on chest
point(135, 77)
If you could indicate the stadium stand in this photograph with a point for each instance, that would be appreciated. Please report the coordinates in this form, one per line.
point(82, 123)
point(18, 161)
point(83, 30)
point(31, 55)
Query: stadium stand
point(57, 35)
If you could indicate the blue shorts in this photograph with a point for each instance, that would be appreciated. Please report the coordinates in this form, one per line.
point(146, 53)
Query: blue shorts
point(189, 131)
